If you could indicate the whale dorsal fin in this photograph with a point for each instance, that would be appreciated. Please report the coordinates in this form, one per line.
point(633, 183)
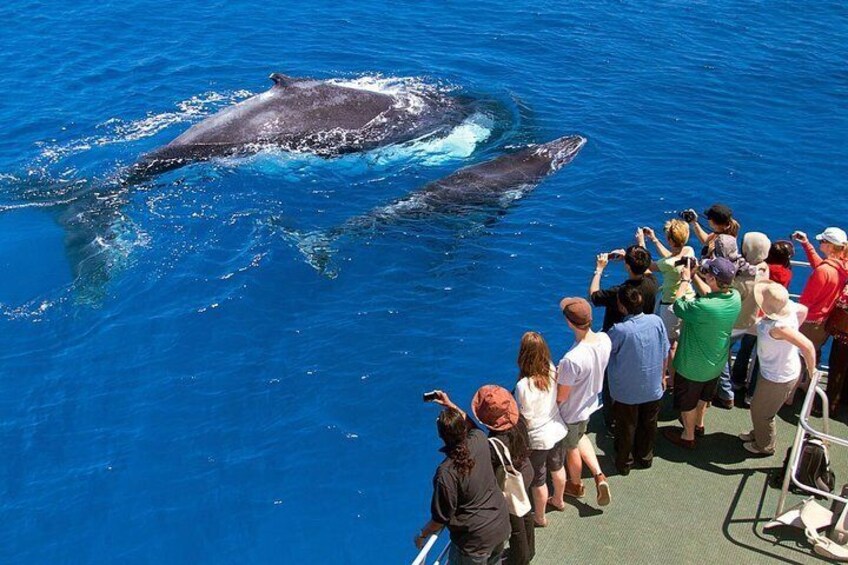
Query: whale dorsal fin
point(280, 79)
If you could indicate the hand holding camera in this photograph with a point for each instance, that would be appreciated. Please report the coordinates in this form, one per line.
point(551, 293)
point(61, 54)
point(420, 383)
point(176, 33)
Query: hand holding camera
point(800, 237)
point(439, 397)
point(687, 262)
point(689, 216)
point(602, 260)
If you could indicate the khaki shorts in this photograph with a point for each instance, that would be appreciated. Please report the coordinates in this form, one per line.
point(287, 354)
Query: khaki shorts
point(670, 320)
point(575, 431)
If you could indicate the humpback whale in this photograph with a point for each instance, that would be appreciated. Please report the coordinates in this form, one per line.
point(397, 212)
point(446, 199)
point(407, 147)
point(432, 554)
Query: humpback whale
point(491, 185)
point(324, 117)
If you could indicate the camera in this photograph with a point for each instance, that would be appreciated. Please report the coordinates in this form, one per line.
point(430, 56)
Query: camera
point(688, 216)
point(691, 262)
point(615, 255)
point(430, 396)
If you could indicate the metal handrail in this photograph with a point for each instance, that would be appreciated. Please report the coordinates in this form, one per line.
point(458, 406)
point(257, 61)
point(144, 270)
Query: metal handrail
point(421, 558)
point(802, 430)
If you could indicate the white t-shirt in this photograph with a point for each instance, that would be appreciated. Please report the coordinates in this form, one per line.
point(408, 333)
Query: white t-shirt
point(582, 368)
point(780, 361)
point(539, 407)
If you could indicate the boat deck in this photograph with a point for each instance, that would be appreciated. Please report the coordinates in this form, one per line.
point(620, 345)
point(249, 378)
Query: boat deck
point(709, 504)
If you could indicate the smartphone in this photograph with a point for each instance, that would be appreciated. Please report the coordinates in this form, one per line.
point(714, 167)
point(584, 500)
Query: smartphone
point(430, 396)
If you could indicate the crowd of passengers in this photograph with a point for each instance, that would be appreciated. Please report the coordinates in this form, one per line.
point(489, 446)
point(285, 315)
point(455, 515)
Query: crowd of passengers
point(671, 336)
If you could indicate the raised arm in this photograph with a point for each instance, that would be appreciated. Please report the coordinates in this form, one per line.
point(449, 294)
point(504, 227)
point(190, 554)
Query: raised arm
point(601, 261)
point(661, 249)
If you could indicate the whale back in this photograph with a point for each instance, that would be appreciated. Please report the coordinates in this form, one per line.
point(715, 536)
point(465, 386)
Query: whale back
point(289, 110)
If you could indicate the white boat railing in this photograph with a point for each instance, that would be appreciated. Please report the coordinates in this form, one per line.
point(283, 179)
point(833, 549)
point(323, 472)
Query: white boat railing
point(802, 432)
point(441, 558)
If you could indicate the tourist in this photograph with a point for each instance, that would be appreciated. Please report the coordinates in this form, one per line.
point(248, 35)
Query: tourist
point(496, 409)
point(536, 394)
point(704, 343)
point(721, 221)
point(778, 345)
point(752, 268)
point(637, 380)
point(837, 377)
point(779, 262)
point(466, 497)
point(580, 377)
point(637, 261)
point(676, 234)
point(825, 283)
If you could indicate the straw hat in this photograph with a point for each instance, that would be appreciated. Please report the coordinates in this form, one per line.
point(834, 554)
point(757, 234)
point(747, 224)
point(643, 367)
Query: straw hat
point(773, 300)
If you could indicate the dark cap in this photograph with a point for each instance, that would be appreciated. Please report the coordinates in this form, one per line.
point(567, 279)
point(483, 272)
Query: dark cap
point(577, 311)
point(722, 269)
point(495, 407)
point(719, 213)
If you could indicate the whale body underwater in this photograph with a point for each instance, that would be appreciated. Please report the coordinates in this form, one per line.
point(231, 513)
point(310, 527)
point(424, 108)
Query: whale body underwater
point(484, 187)
point(322, 117)
point(327, 118)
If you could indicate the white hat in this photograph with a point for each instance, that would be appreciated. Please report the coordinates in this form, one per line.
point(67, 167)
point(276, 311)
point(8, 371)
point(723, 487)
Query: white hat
point(773, 300)
point(835, 236)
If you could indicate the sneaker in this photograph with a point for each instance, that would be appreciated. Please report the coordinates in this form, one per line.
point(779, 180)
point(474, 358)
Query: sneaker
point(574, 490)
point(746, 437)
point(674, 436)
point(752, 447)
point(603, 489)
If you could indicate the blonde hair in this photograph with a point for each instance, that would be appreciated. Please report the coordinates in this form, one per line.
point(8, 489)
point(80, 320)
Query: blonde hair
point(534, 361)
point(677, 232)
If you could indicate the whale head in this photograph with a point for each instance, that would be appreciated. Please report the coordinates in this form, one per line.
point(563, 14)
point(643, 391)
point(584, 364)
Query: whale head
point(562, 151)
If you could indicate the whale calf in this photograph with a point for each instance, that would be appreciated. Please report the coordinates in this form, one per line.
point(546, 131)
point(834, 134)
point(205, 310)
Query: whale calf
point(485, 186)
point(324, 117)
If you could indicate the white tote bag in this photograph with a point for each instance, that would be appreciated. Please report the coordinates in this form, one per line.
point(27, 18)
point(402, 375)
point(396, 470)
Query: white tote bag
point(513, 490)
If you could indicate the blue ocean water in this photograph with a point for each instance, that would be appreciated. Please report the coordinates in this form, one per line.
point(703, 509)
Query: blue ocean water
point(215, 399)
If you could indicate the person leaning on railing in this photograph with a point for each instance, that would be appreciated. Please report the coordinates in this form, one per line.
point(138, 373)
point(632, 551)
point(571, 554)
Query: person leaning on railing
point(466, 497)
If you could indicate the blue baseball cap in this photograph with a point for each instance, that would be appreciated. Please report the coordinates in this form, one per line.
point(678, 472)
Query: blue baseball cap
point(722, 269)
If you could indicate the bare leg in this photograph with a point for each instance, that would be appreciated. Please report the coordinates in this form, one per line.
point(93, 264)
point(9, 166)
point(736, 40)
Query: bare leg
point(671, 371)
point(558, 478)
point(587, 452)
point(540, 501)
point(574, 464)
point(690, 420)
point(701, 411)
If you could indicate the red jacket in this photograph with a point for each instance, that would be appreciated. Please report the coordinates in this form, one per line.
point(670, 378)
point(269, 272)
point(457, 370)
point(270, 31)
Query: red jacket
point(824, 285)
point(780, 274)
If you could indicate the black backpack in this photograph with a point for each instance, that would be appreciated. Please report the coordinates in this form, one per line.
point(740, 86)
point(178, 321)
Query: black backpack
point(813, 470)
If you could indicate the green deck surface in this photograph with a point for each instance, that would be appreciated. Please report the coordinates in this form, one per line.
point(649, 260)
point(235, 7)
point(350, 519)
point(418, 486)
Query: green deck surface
point(706, 505)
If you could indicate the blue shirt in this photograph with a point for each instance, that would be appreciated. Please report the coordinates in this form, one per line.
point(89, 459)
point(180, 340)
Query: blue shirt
point(639, 349)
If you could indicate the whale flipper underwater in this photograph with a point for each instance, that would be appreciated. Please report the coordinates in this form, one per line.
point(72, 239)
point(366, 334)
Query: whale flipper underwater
point(324, 117)
point(489, 185)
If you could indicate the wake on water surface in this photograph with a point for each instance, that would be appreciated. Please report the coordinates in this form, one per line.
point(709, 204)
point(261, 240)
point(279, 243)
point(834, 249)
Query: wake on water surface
point(78, 180)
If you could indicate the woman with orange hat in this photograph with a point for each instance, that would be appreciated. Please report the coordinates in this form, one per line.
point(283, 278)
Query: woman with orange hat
point(496, 409)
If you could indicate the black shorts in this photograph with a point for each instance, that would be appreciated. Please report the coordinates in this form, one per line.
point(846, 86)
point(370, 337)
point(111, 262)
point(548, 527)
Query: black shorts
point(687, 393)
point(544, 460)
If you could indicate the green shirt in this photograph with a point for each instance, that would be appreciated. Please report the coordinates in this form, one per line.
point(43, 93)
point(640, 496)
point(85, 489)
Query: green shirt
point(705, 338)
